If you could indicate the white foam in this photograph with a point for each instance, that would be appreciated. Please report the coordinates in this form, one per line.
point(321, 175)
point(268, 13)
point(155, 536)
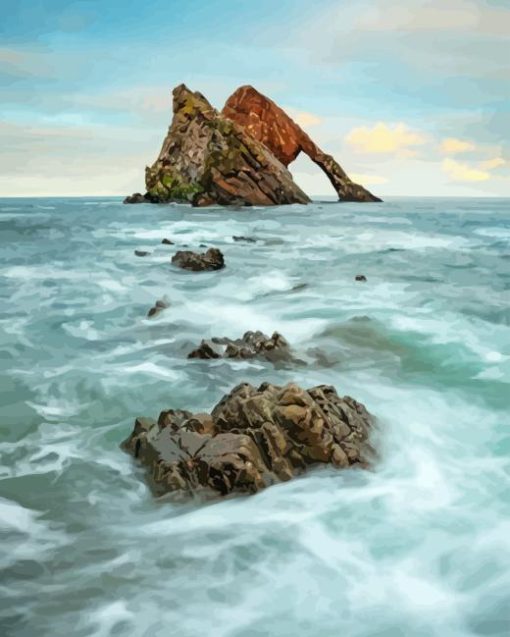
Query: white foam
point(84, 329)
point(37, 537)
point(272, 281)
point(105, 618)
point(224, 318)
point(496, 232)
point(149, 368)
point(56, 408)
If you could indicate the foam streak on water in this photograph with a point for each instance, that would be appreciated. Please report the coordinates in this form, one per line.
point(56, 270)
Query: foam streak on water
point(420, 546)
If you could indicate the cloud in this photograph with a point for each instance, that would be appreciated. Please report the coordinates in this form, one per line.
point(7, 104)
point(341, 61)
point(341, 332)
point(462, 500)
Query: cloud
point(23, 62)
point(452, 145)
point(423, 15)
point(304, 119)
point(370, 180)
point(397, 139)
point(490, 164)
point(458, 171)
point(49, 159)
point(142, 99)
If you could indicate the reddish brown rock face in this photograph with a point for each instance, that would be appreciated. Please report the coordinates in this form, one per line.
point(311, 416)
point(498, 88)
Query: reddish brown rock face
point(265, 121)
point(269, 124)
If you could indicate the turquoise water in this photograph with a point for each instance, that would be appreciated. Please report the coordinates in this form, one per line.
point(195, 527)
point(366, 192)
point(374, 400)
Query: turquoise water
point(420, 546)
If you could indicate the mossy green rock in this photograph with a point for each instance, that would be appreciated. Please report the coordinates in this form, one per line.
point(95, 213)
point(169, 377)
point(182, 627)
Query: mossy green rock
point(207, 159)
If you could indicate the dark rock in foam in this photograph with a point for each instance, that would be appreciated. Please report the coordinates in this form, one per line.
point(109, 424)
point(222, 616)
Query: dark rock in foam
point(158, 307)
point(253, 438)
point(199, 262)
point(251, 345)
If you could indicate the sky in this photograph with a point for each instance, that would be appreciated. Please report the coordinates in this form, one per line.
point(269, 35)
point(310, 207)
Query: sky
point(412, 97)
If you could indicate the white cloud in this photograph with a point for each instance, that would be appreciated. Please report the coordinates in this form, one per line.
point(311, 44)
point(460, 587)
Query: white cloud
point(370, 180)
point(303, 119)
point(22, 62)
point(458, 171)
point(490, 164)
point(396, 139)
point(73, 160)
point(424, 15)
point(452, 146)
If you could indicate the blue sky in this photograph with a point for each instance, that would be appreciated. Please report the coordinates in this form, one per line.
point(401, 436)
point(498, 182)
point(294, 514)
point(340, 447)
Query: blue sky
point(410, 96)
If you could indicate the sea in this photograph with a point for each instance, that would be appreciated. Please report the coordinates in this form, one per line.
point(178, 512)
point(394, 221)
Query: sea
point(417, 546)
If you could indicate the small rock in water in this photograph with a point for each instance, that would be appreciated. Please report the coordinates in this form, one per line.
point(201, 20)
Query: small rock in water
point(137, 197)
point(158, 307)
point(251, 345)
point(205, 351)
point(245, 239)
point(167, 242)
point(141, 253)
point(210, 260)
point(252, 439)
point(360, 277)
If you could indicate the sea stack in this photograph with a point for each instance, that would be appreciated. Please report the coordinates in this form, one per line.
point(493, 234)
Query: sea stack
point(237, 157)
point(208, 159)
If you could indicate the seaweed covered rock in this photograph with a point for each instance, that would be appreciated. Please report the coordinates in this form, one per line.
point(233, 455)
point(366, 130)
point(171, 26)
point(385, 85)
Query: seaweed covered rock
point(199, 262)
point(208, 159)
point(253, 438)
point(269, 124)
point(252, 345)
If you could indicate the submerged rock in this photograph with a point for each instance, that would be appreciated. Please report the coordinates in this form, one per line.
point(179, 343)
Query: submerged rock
point(252, 439)
point(244, 239)
point(269, 124)
point(158, 307)
point(141, 253)
point(167, 242)
point(251, 345)
point(207, 159)
point(210, 260)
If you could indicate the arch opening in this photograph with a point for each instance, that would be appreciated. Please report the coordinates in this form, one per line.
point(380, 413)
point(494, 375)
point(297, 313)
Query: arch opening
point(311, 179)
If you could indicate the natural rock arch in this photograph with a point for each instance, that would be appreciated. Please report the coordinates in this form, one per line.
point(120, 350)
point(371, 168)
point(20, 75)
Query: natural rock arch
point(236, 157)
point(269, 124)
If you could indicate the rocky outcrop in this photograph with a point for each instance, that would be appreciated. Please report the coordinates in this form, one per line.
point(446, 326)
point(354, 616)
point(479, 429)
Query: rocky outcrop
point(199, 262)
point(251, 345)
point(208, 159)
point(252, 439)
point(236, 157)
point(136, 197)
point(269, 124)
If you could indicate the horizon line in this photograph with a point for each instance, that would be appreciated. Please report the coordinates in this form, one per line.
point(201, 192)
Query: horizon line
point(329, 198)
